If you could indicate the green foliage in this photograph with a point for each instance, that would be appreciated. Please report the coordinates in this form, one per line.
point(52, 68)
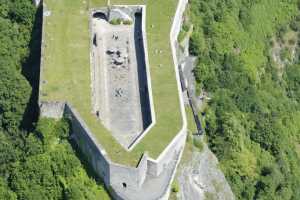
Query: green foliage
point(291, 76)
point(252, 119)
point(181, 35)
point(14, 95)
point(115, 21)
point(127, 22)
point(285, 54)
point(183, 32)
point(5, 192)
point(198, 143)
point(51, 168)
point(120, 21)
point(295, 24)
point(38, 163)
point(175, 187)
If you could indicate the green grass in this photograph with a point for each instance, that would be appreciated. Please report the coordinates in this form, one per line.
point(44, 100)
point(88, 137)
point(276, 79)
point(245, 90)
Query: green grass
point(66, 71)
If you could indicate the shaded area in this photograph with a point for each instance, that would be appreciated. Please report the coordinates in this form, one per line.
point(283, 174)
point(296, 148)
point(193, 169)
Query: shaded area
point(142, 75)
point(31, 70)
point(99, 15)
point(86, 165)
point(154, 187)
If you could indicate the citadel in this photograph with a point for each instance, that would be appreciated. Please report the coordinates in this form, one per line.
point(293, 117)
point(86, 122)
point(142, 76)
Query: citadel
point(121, 94)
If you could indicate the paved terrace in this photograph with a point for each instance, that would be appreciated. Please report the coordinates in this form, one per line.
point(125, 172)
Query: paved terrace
point(66, 71)
point(120, 91)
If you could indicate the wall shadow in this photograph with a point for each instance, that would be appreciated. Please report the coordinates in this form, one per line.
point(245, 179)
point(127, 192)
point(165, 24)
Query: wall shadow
point(142, 74)
point(31, 71)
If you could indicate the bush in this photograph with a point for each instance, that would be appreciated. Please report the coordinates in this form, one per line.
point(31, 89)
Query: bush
point(285, 54)
point(295, 25)
point(115, 21)
point(185, 27)
point(127, 22)
point(198, 143)
point(181, 35)
point(175, 187)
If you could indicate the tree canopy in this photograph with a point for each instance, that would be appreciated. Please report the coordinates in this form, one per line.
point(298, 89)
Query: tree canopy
point(252, 121)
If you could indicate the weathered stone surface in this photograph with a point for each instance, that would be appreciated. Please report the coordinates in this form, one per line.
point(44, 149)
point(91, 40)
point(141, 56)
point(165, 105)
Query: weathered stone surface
point(202, 178)
point(116, 13)
point(52, 109)
point(120, 78)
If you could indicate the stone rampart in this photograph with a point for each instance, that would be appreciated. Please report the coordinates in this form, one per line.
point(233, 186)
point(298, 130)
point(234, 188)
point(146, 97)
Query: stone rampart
point(156, 167)
point(95, 154)
point(114, 175)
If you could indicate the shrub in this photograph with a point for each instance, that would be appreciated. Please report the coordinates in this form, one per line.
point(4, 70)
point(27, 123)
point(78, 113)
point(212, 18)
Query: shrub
point(127, 22)
point(185, 27)
point(295, 25)
point(291, 41)
point(198, 143)
point(175, 187)
point(181, 35)
point(285, 54)
point(115, 21)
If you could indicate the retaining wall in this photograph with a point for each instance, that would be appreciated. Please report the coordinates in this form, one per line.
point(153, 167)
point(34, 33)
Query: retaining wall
point(94, 153)
point(181, 138)
point(155, 167)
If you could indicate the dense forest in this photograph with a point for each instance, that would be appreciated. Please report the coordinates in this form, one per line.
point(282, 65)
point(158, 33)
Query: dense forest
point(37, 160)
point(249, 64)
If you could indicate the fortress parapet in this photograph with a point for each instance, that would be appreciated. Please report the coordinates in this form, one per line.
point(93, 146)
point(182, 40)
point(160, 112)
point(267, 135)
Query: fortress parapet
point(150, 178)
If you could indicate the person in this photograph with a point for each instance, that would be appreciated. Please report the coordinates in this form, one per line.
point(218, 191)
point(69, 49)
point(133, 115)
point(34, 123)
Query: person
point(95, 39)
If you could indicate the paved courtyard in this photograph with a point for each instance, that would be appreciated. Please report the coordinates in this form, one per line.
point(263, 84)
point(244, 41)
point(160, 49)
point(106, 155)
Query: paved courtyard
point(119, 88)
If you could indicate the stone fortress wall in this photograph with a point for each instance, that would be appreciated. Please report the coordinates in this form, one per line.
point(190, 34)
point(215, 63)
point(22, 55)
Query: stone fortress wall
point(123, 179)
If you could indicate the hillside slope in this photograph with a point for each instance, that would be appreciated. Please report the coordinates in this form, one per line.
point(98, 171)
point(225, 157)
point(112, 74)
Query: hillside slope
point(252, 121)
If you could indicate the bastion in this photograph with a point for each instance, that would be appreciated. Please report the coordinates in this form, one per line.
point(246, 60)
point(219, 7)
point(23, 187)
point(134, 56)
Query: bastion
point(112, 70)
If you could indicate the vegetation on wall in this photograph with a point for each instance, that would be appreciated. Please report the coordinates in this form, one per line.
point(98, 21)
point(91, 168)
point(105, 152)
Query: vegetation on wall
point(36, 160)
point(252, 121)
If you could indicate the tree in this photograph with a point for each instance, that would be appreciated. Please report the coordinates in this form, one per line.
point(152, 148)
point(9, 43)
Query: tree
point(14, 95)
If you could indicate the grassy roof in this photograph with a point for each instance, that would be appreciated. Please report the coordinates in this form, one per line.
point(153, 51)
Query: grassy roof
point(66, 71)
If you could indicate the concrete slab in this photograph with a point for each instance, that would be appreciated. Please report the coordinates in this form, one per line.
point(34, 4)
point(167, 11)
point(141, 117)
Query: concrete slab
point(121, 98)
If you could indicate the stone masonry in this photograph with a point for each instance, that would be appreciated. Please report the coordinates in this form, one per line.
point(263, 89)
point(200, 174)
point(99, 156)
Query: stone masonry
point(151, 178)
